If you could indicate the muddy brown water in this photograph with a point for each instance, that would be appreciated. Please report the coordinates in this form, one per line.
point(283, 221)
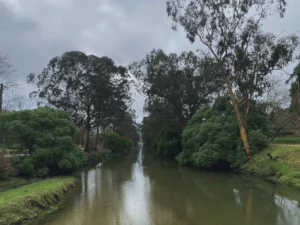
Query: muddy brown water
point(133, 190)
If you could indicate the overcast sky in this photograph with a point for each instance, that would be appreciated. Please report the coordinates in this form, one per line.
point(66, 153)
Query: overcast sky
point(34, 31)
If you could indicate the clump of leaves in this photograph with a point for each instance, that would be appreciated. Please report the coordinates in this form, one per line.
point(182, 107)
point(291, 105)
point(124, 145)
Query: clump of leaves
point(116, 143)
point(211, 140)
point(168, 141)
point(45, 141)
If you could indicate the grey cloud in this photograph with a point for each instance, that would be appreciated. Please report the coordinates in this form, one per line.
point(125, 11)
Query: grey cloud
point(12, 25)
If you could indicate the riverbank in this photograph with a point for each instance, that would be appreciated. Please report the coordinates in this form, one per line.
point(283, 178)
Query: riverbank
point(26, 202)
point(279, 163)
point(23, 199)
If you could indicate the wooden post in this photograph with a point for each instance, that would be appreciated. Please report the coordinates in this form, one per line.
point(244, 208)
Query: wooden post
point(1, 97)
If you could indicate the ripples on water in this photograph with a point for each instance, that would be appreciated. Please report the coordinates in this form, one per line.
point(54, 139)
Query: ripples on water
point(137, 190)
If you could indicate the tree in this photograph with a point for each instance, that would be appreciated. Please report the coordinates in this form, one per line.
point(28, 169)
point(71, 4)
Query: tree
point(127, 127)
point(231, 32)
point(79, 84)
point(295, 98)
point(44, 140)
point(111, 102)
point(7, 83)
point(180, 81)
point(211, 139)
point(117, 144)
point(276, 101)
point(168, 140)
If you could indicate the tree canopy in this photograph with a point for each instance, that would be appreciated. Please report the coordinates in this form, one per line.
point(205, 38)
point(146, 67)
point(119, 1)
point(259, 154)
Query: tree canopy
point(93, 90)
point(44, 139)
point(211, 139)
point(182, 82)
point(231, 32)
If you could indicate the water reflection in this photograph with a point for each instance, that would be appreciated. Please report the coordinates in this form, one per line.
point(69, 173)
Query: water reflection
point(142, 191)
point(290, 211)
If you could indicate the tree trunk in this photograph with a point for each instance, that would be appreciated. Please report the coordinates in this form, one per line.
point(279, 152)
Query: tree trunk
point(241, 121)
point(88, 129)
point(103, 139)
point(97, 138)
point(87, 139)
point(182, 123)
point(82, 137)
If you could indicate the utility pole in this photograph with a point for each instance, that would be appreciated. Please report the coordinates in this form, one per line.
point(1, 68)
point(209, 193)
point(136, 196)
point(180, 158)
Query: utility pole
point(1, 97)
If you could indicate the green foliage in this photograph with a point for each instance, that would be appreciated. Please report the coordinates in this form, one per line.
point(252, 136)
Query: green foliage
point(212, 140)
point(284, 169)
point(294, 108)
point(234, 38)
point(176, 87)
point(258, 140)
point(182, 83)
point(93, 90)
point(154, 123)
point(116, 143)
point(128, 128)
point(168, 141)
point(242, 53)
point(45, 141)
point(24, 203)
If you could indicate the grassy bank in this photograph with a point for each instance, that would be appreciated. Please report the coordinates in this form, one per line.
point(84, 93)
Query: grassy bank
point(283, 168)
point(24, 203)
point(14, 182)
point(291, 140)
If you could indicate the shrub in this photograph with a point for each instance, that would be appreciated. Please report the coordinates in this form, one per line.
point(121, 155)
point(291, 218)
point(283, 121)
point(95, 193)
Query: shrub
point(45, 141)
point(212, 139)
point(168, 141)
point(116, 143)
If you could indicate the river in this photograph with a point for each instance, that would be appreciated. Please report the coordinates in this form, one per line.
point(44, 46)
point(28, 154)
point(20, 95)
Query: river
point(131, 190)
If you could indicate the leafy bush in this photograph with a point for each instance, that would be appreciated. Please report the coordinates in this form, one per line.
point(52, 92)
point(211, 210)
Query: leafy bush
point(45, 141)
point(212, 139)
point(116, 143)
point(168, 141)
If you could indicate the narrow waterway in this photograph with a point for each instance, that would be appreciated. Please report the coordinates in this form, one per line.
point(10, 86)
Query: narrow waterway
point(136, 191)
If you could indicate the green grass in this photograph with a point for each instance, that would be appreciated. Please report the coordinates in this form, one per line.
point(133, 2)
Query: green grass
point(26, 202)
point(10, 183)
point(285, 169)
point(287, 140)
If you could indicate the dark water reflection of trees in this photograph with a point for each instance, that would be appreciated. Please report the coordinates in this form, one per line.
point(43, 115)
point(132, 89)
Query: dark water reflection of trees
point(132, 191)
point(195, 197)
